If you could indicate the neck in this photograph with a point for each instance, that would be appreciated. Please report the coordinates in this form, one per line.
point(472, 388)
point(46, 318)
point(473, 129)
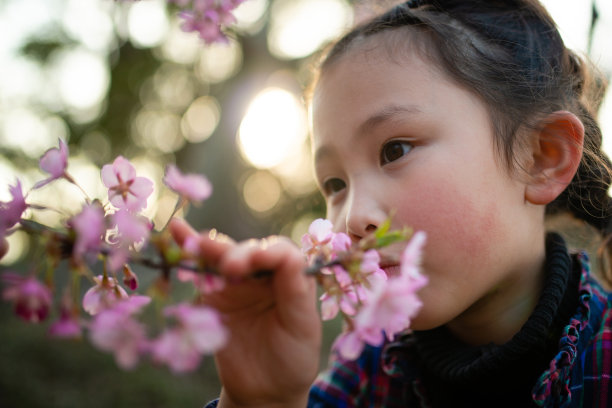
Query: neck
point(501, 313)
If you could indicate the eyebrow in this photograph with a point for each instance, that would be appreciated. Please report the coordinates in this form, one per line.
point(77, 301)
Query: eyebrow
point(386, 114)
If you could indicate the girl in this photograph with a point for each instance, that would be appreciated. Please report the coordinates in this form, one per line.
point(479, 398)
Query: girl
point(471, 121)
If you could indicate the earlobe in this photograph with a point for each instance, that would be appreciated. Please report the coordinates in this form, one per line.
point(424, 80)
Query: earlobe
point(556, 154)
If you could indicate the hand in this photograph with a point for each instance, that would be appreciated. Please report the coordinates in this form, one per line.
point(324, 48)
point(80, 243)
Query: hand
point(272, 356)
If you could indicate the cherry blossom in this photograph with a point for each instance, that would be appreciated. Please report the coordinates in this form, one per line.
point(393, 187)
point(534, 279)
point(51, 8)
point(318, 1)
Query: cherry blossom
point(68, 325)
point(89, 227)
point(318, 239)
point(191, 187)
point(208, 18)
point(103, 294)
point(32, 298)
point(125, 190)
point(11, 211)
point(198, 331)
point(129, 278)
point(130, 230)
point(54, 162)
point(390, 305)
point(114, 329)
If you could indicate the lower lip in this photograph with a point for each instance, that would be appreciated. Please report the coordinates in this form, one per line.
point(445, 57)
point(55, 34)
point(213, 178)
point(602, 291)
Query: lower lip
point(392, 270)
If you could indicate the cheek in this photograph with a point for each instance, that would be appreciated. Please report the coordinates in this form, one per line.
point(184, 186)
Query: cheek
point(459, 228)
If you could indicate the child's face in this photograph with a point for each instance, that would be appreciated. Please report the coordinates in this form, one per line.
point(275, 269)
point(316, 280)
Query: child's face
point(398, 137)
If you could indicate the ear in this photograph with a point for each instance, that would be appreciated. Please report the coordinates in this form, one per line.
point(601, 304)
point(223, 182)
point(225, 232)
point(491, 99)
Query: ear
point(555, 156)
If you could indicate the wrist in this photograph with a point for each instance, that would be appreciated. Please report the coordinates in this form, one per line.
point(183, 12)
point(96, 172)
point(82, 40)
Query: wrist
point(225, 401)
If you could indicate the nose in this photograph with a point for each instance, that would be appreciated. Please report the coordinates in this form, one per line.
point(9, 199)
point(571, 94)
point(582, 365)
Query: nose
point(363, 216)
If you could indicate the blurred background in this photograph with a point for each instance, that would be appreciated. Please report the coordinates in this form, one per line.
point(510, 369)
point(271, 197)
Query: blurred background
point(121, 78)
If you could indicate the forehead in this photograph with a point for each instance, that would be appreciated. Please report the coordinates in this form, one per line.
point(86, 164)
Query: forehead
point(368, 78)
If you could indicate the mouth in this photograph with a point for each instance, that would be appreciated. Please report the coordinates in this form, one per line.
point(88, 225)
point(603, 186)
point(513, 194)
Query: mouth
point(391, 269)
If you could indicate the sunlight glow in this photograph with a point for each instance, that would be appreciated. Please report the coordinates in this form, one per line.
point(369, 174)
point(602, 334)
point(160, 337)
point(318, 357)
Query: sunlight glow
point(178, 46)
point(18, 247)
point(82, 77)
point(300, 27)
point(26, 131)
point(219, 62)
point(261, 191)
point(89, 22)
point(273, 128)
point(148, 23)
point(573, 21)
point(249, 15)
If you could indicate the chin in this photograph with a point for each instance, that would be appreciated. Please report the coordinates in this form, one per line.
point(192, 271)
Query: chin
point(426, 321)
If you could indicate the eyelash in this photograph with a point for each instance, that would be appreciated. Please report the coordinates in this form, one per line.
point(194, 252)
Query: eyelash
point(332, 186)
point(384, 159)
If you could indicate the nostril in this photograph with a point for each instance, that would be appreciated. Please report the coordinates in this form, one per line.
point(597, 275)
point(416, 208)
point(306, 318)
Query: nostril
point(371, 228)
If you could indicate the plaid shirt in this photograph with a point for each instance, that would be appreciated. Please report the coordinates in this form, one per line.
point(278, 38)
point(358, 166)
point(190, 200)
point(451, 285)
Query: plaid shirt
point(578, 376)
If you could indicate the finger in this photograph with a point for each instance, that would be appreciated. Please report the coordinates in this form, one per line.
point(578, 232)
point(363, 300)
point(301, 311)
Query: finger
point(180, 230)
point(294, 293)
point(212, 244)
point(293, 290)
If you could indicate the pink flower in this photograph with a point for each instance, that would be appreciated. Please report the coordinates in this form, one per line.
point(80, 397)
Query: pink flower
point(129, 278)
point(115, 330)
point(31, 297)
point(54, 162)
point(103, 295)
point(192, 187)
point(67, 326)
point(389, 305)
point(89, 227)
point(131, 229)
point(318, 239)
point(208, 18)
point(411, 257)
point(341, 242)
point(208, 29)
point(198, 331)
point(125, 190)
point(10, 212)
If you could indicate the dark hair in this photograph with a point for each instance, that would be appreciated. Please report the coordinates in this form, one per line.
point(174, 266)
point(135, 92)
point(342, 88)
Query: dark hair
point(511, 55)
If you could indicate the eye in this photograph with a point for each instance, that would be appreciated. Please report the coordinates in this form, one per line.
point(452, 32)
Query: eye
point(394, 150)
point(333, 185)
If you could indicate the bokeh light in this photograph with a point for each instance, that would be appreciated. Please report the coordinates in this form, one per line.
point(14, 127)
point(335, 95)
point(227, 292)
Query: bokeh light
point(219, 62)
point(261, 191)
point(178, 46)
point(147, 23)
point(25, 130)
point(82, 78)
point(157, 129)
point(249, 16)
point(201, 119)
point(273, 128)
point(175, 86)
point(300, 27)
point(296, 174)
point(89, 22)
point(18, 247)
